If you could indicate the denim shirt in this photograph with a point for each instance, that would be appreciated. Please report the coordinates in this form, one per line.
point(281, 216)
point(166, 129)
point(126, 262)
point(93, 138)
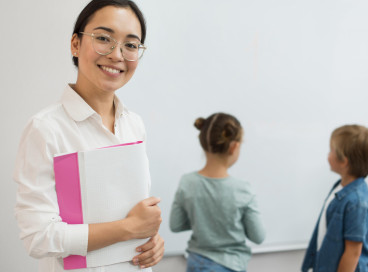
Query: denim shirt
point(347, 219)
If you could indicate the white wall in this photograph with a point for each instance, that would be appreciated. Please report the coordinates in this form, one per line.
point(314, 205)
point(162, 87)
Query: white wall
point(290, 70)
point(34, 52)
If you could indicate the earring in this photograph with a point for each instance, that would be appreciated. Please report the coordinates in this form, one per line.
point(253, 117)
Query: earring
point(75, 53)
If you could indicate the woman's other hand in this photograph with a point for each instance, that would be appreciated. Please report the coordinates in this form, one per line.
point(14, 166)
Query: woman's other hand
point(152, 252)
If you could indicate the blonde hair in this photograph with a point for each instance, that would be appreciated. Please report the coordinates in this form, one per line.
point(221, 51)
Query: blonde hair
point(351, 142)
point(218, 131)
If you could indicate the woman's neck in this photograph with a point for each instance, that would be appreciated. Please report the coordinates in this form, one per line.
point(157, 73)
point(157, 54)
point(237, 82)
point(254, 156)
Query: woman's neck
point(101, 102)
point(216, 166)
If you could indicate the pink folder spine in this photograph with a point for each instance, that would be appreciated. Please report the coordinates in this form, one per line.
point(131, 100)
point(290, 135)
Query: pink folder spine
point(138, 142)
point(69, 197)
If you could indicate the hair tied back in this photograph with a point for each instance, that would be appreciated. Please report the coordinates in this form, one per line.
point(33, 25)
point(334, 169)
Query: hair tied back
point(199, 123)
point(229, 130)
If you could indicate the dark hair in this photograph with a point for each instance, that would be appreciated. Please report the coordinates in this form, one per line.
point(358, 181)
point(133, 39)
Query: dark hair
point(95, 5)
point(351, 142)
point(218, 131)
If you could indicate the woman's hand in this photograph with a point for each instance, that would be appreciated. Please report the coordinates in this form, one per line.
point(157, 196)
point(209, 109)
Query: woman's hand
point(144, 219)
point(152, 252)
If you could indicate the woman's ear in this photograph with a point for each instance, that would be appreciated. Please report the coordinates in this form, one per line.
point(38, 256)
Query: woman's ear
point(75, 45)
point(234, 145)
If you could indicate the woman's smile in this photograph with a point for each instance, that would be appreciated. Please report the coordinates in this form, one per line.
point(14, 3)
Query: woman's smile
point(110, 70)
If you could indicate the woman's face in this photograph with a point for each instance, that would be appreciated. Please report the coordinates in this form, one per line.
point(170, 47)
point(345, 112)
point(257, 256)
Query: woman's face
point(106, 73)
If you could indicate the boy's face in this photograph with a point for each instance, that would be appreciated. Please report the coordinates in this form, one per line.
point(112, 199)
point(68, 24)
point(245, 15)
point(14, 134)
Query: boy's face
point(338, 166)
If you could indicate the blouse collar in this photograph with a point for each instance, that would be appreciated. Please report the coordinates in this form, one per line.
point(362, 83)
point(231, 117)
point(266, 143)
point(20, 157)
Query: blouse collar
point(79, 110)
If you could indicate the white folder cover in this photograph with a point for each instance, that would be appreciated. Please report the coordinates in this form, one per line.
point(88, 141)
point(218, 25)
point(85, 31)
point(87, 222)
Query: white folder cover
point(98, 186)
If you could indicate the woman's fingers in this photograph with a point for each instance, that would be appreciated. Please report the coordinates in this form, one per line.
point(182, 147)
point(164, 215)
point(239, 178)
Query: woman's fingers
point(152, 252)
point(152, 201)
point(144, 219)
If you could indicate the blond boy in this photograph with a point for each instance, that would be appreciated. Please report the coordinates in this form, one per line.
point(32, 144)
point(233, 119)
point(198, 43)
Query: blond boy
point(340, 239)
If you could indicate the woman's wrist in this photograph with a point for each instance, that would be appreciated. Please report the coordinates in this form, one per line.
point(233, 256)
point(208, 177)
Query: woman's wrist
point(125, 230)
point(104, 234)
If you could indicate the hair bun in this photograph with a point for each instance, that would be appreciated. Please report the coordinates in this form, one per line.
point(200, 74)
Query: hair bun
point(199, 123)
point(229, 131)
point(227, 134)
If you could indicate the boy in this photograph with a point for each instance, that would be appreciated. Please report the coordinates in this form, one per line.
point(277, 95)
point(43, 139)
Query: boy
point(340, 239)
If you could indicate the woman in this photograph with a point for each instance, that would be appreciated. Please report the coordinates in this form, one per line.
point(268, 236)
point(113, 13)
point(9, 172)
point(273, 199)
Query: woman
point(106, 45)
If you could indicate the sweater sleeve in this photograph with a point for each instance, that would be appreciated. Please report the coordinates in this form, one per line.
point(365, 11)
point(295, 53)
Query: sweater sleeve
point(36, 210)
point(252, 222)
point(179, 220)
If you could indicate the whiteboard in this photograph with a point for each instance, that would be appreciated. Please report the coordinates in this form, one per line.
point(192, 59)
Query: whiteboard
point(290, 71)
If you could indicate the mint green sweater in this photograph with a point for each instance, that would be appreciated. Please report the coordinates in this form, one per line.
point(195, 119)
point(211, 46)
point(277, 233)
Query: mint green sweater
point(222, 213)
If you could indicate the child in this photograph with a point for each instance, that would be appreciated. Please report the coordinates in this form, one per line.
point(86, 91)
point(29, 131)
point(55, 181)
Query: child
point(340, 239)
point(220, 209)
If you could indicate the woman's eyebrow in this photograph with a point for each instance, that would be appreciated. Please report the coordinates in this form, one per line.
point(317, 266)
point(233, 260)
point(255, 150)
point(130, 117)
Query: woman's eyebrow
point(133, 36)
point(105, 28)
point(112, 32)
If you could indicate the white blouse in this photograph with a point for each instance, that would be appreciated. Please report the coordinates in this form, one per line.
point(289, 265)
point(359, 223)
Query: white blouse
point(67, 126)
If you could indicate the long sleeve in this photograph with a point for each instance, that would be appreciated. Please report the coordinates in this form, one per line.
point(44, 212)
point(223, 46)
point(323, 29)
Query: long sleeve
point(179, 220)
point(252, 223)
point(36, 209)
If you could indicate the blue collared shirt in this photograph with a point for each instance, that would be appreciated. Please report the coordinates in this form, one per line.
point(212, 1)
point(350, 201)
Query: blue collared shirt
point(347, 219)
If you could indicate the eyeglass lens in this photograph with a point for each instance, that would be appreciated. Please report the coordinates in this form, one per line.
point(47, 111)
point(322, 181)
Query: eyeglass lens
point(104, 45)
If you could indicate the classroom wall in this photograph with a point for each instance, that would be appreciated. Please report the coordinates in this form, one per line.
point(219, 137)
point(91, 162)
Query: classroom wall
point(296, 70)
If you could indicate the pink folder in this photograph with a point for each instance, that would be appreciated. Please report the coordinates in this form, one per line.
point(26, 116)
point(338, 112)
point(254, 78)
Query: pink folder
point(83, 198)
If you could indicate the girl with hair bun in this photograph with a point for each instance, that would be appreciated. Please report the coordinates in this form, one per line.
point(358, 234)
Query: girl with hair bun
point(221, 210)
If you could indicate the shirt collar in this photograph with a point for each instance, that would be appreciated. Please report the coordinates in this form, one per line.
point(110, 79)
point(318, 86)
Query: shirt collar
point(79, 110)
point(348, 188)
point(120, 109)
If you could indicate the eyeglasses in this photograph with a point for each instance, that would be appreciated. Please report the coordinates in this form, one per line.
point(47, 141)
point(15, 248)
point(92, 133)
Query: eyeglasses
point(105, 44)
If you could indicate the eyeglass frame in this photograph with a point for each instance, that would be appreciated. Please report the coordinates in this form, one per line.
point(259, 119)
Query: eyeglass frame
point(92, 35)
